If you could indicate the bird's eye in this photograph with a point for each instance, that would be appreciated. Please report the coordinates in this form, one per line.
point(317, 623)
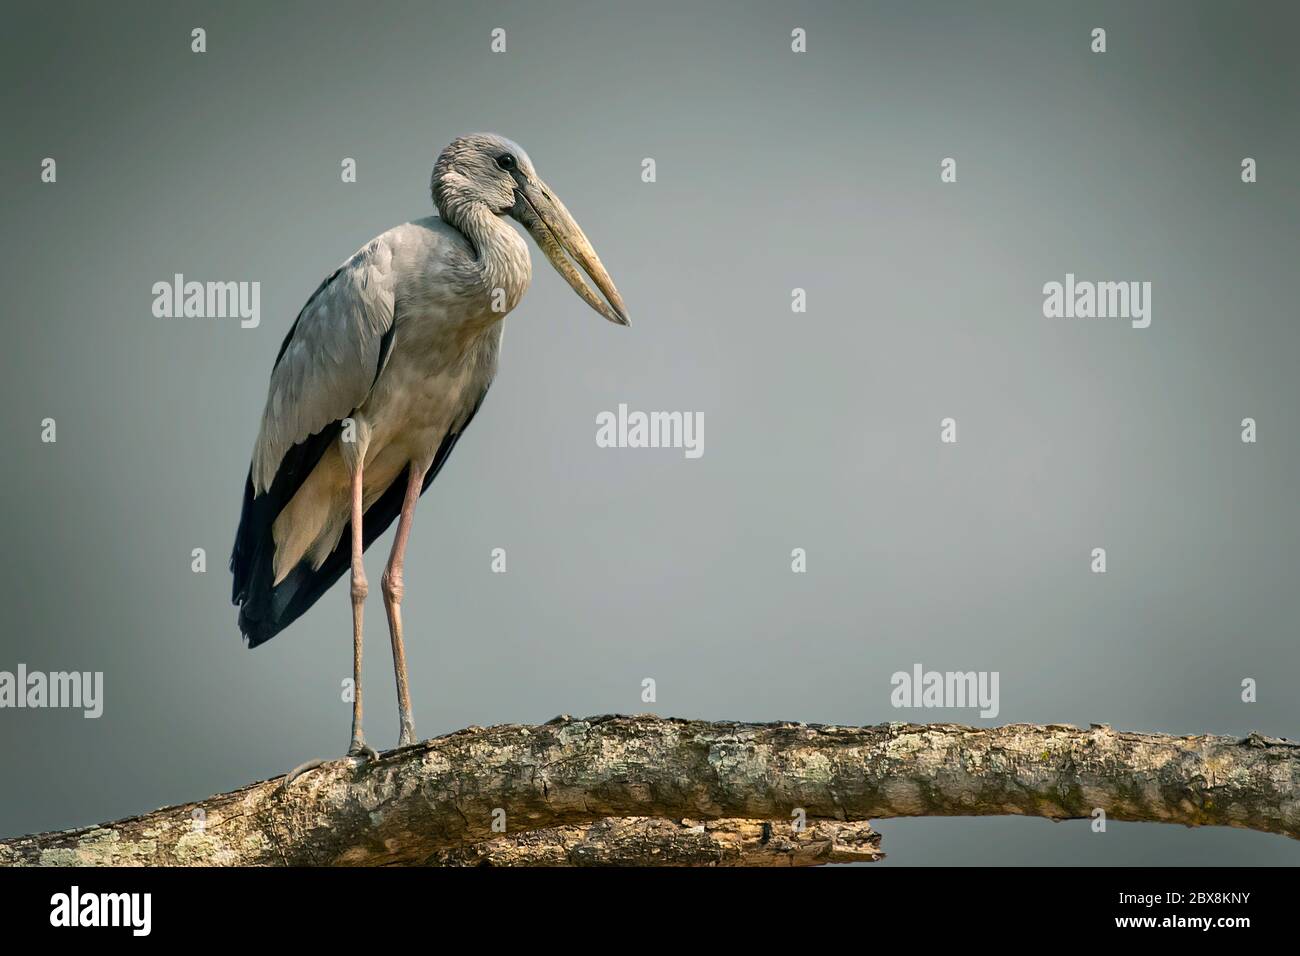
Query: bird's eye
point(506, 161)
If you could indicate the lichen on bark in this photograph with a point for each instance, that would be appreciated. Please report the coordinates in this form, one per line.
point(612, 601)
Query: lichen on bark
point(439, 799)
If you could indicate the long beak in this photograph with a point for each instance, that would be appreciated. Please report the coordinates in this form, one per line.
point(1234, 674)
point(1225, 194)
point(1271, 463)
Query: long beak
point(558, 235)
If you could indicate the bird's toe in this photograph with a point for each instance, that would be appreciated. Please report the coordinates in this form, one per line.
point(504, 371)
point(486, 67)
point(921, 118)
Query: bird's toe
point(362, 751)
point(301, 769)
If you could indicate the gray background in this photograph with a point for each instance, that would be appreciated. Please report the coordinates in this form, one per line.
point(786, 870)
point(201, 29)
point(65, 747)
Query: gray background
point(775, 170)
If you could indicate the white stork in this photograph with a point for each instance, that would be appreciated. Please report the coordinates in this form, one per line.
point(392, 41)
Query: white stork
point(380, 374)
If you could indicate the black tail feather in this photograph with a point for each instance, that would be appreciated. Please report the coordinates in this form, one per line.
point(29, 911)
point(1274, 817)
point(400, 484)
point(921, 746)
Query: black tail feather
point(252, 561)
point(265, 608)
point(270, 609)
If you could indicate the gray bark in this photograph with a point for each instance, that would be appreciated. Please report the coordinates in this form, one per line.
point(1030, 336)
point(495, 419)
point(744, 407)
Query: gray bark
point(418, 802)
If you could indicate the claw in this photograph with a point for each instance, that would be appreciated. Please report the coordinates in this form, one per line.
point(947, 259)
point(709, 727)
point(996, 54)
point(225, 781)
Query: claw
point(299, 770)
point(362, 751)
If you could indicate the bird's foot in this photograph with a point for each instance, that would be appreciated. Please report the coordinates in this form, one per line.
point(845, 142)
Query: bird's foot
point(301, 769)
point(361, 751)
point(407, 736)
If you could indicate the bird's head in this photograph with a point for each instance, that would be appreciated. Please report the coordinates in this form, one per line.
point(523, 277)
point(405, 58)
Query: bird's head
point(488, 171)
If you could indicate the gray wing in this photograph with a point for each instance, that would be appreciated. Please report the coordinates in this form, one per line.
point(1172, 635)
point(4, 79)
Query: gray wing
point(330, 359)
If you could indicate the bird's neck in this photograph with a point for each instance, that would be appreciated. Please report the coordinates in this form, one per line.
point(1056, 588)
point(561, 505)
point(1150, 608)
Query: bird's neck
point(504, 268)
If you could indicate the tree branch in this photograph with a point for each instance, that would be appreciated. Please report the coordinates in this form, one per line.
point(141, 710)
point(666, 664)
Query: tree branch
point(445, 794)
point(649, 841)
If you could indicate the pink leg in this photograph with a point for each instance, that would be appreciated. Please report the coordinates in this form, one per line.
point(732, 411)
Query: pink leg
point(360, 588)
point(392, 587)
